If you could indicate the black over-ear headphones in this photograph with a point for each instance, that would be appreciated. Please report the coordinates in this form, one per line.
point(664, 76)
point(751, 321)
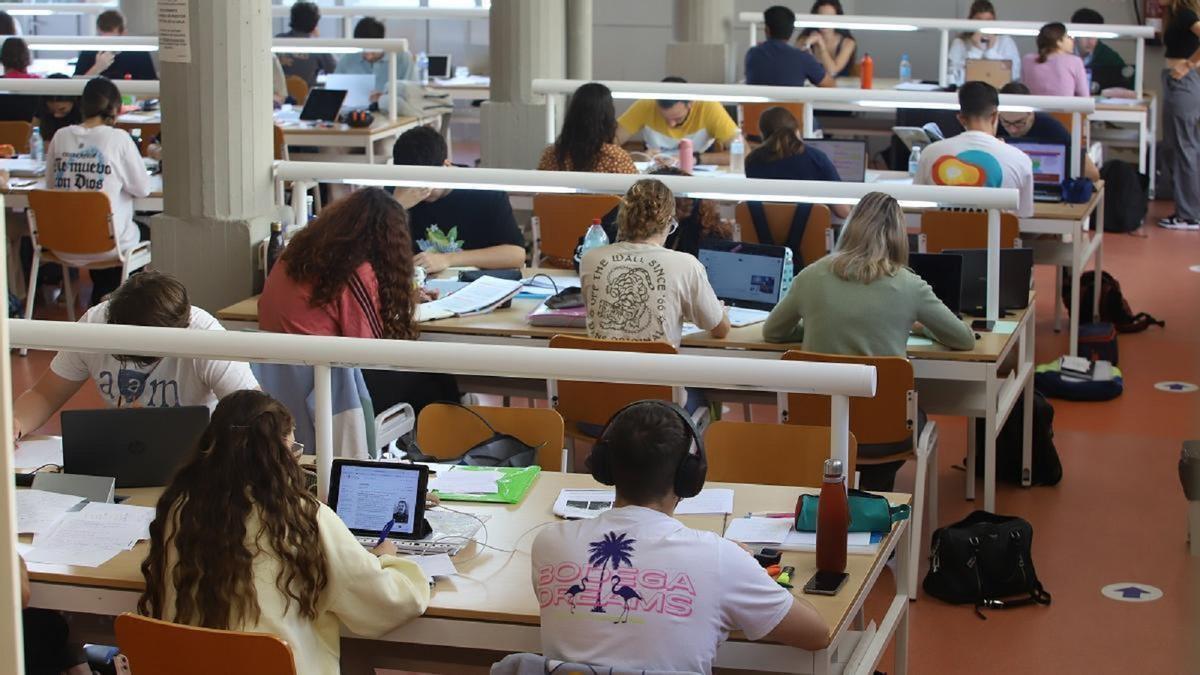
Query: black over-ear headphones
point(693, 466)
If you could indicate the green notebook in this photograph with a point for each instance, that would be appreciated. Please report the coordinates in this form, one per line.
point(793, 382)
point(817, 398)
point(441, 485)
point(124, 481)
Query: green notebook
point(510, 489)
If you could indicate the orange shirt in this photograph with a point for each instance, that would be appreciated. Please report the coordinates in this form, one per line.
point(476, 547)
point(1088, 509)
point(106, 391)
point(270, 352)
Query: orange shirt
point(612, 159)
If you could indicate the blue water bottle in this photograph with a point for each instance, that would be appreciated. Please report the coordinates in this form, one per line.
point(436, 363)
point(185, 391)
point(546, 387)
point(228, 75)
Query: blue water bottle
point(423, 68)
point(905, 68)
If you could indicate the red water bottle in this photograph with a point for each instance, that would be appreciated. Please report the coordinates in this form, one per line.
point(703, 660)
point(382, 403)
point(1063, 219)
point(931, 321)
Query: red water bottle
point(867, 72)
point(833, 519)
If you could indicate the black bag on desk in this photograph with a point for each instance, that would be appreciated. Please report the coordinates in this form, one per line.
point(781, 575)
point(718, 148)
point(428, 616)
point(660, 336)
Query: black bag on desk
point(1045, 466)
point(985, 560)
point(497, 450)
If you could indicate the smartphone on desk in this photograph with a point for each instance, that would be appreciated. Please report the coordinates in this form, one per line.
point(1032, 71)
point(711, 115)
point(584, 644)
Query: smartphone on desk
point(825, 583)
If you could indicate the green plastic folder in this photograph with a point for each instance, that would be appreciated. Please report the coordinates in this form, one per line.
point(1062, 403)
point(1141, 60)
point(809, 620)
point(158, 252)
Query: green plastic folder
point(510, 489)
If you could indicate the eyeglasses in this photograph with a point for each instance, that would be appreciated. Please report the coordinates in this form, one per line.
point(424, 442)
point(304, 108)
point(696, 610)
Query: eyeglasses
point(672, 225)
point(297, 448)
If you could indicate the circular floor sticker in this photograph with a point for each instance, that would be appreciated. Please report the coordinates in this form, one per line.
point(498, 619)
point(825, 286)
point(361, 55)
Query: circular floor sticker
point(1127, 591)
point(1195, 268)
point(1176, 387)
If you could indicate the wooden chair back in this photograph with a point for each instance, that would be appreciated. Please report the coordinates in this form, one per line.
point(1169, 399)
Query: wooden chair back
point(813, 245)
point(446, 431)
point(769, 454)
point(281, 152)
point(297, 88)
point(965, 229)
point(148, 132)
point(563, 219)
point(596, 402)
point(154, 646)
point(17, 135)
point(750, 112)
point(72, 221)
point(889, 417)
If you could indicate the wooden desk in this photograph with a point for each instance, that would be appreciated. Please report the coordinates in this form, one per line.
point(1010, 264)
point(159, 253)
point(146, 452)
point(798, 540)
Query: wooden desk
point(491, 604)
point(470, 88)
point(1144, 117)
point(17, 196)
point(344, 136)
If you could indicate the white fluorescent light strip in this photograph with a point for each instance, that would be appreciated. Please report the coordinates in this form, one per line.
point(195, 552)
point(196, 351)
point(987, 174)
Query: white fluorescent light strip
point(1020, 32)
point(98, 47)
point(682, 96)
point(30, 12)
point(317, 50)
point(456, 185)
point(927, 105)
point(1017, 108)
point(896, 27)
point(1104, 35)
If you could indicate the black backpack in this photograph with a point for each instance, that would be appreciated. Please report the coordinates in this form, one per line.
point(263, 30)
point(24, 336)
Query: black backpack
point(1045, 465)
point(1114, 308)
point(1126, 196)
point(795, 232)
point(985, 560)
point(497, 450)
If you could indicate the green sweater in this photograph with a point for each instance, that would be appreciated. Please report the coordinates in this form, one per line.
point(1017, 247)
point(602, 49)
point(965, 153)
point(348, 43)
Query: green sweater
point(832, 316)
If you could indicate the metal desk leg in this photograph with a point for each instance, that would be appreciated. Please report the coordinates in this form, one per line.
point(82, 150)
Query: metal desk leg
point(991, 401)
point(1098, 232)
point(904, 548)
point(1058, 279)
point(970, 481)
point(1026, 359)
point(1076, 274)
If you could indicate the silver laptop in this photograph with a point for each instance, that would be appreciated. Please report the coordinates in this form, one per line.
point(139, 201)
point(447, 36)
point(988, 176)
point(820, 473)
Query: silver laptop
point(848, 157)
point(358, 89)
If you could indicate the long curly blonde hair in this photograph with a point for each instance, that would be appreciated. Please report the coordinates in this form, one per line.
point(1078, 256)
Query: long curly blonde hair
point(646, 209)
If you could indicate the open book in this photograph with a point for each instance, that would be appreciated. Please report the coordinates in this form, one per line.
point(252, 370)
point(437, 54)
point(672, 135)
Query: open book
point(478, 297)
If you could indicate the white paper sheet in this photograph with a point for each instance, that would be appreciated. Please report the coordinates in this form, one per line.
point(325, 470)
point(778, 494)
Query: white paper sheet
point(758, 530)
point(37, 510)
point(690, 329)
point(1004, 327)
point(100, 526)
point(709, 501)
point(918, 341)
point(70, 554)
point(478, 296)
point(591, 503)
point(858, 543)
point(34, 453)
point(439, 565)
point(468, 482)
point(741, 316)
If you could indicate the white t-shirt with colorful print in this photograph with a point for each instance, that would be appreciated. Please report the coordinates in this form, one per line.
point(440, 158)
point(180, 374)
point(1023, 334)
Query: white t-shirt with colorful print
point(636, 588)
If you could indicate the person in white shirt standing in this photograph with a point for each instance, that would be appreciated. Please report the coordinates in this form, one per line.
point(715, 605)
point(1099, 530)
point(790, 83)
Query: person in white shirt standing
point(94, 155)
point(976, 157)
point(635, 588)
point(146, 299)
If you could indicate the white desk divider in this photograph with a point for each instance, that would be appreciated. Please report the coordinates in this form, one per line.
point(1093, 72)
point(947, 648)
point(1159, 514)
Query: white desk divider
point(722, 188)
point(946, 26)
point(384, 12)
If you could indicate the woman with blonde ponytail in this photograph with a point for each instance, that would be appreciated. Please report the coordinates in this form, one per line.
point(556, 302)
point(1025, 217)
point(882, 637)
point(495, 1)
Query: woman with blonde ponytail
point(636, 289)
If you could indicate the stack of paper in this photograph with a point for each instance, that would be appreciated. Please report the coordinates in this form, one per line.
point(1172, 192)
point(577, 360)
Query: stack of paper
point(478, 297)
point(778, 533)
point(37, 510)
point(465, 482)
point(591, 503)
point(91, 536)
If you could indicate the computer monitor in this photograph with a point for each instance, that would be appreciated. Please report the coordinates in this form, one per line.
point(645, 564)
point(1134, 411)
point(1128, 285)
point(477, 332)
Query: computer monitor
point(322, 105)
point(848, 157)
point(366, 495)
point(743, 274)
point(1016, 271)
point(139, 447)
point(439, 66)
point(943, 273)
point(1049, 161)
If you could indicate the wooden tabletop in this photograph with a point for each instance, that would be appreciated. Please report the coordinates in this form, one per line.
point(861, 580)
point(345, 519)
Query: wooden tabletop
point(496, 586)
point(1068, 211)
point(381, 125)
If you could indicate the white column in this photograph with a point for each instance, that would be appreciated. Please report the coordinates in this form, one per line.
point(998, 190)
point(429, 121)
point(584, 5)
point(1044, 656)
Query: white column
point(527, 41)
point(141, 16)
point(217, 152)
point(579, 39)
point(11, 645)
point(705, 21)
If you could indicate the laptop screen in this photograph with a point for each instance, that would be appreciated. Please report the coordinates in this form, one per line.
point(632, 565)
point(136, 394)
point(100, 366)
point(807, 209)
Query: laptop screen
point(848, 157)
point(744, 275)
point(1049, 161)
point(943, 273)
point(366, 495)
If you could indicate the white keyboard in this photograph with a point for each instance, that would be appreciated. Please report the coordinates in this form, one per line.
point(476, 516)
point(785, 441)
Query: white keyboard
point(419, 547)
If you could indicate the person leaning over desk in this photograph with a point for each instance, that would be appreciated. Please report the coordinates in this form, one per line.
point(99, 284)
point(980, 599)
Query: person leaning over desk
point(373, 63)
point(1039, 127)
point(718, 587)
point(862, 300)
point(239, 543)
point(665, 122)
point(147, 299)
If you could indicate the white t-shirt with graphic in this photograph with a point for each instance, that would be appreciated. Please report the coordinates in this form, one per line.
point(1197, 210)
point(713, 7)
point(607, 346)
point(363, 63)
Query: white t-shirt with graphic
point(635, 588)
point(100, 158)
point(167, 383)
point(974, 158)
point(646, 292)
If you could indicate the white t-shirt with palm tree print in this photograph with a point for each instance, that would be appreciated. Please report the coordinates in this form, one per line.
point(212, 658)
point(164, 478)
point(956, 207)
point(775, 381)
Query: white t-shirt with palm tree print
point(635, 588)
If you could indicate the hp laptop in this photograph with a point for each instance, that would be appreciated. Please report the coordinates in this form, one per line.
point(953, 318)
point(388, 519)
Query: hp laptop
point(358, 89)
point(140, 447)
point(1016, 271)
point(439, 66)
point(848, 157)
point(322, 105)
point(1049, 168)
point(943, 273)
point(367, 495)
point(996, 72)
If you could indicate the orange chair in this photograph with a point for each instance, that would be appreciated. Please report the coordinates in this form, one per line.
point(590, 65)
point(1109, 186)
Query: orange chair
point(560, 220)
point(297, 88)
point(818, 233)
point(750, 112)
point(965, 229)
point(594, 403)
point(770, 454)
point(17, 135)
point(156, 647)
point(76, 222)
point(447, 430)
point(889, 417)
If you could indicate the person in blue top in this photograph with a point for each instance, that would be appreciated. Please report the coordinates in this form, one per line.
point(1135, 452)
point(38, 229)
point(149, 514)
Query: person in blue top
point(777, 62)
point(373, 63)
point(1038, 127)
point(784, 156)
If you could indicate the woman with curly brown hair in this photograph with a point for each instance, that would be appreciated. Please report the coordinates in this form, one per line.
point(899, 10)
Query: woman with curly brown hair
point(349, 273)
point(239, 543)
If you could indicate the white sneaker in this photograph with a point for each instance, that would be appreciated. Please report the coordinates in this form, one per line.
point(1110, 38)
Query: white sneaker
point(1177, 223)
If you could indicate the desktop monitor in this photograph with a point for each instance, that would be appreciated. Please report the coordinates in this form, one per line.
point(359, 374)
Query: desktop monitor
point(439, 66)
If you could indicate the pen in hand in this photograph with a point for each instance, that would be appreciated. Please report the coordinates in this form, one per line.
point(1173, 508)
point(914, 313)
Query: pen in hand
point(383, 534)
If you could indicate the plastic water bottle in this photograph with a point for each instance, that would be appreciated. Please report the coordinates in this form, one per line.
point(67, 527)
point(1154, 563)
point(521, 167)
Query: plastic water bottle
point(595, 238)
point(423, 68)
point(37, 147)
point(914, 160)
point(737, 154)
point(905, 68)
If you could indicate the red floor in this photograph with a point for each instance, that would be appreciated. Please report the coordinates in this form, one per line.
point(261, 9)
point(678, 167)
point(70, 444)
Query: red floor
point(1118, 516)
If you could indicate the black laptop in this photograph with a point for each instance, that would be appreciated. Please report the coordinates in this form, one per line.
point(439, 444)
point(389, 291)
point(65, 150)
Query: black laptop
point(943, 273)
point(1016, 270)
point(139, 447)
point(322, 105)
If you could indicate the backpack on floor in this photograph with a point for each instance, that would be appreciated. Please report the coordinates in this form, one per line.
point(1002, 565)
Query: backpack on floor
point(1126, 196)
point(1049, 380)
point(1114, 308)
point(1045, 466)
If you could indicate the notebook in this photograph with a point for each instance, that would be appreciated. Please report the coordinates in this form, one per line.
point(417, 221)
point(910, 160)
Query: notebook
point(481, 296)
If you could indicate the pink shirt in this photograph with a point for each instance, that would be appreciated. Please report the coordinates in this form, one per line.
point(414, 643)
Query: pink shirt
point(283, 306)
point(1060, 75)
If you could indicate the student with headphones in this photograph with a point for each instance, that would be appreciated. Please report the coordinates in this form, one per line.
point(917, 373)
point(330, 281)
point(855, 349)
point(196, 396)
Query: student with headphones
point(635, 588)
